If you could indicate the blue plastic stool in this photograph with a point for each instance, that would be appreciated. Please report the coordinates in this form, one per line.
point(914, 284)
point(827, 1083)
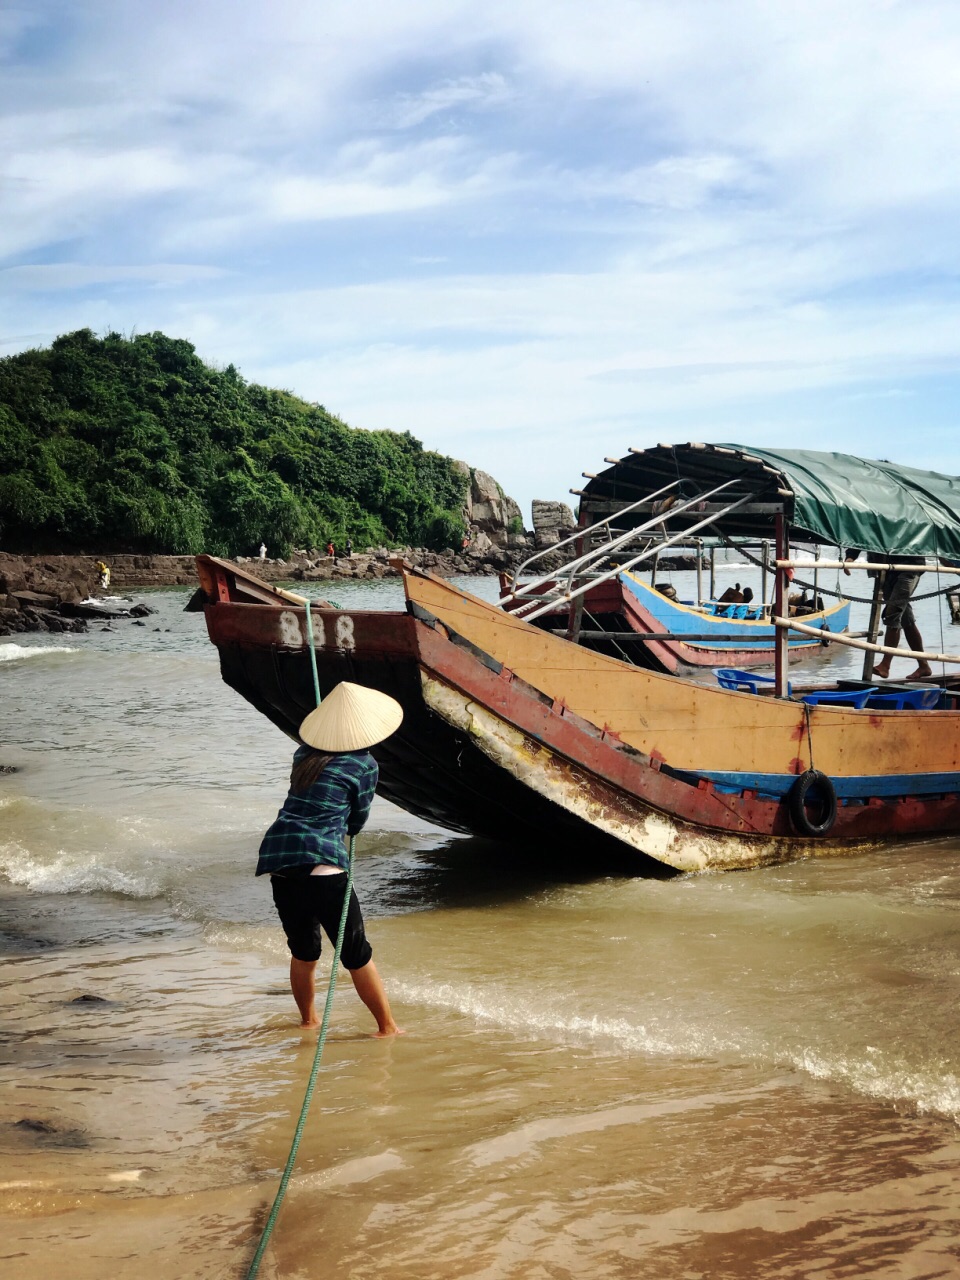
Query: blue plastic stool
point(743, 681)
point(855, 698)
point(916, 699)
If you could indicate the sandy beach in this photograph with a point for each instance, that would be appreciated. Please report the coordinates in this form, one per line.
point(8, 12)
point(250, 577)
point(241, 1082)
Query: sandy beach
point(716, 1076)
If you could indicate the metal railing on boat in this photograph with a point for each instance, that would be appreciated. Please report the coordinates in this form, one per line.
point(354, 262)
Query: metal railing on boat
point(556, 593)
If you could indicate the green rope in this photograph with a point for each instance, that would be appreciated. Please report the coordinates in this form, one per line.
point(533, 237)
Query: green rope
point(311, 1083)
point(313, 652)
point(325, 1022)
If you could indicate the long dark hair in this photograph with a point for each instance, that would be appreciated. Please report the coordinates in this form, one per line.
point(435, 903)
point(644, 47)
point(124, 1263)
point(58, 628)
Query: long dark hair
point(307, 770)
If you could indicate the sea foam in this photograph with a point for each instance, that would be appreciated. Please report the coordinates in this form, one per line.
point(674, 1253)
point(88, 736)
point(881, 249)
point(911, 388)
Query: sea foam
point(927, 1088)
point(72, 873)
point(12, 652)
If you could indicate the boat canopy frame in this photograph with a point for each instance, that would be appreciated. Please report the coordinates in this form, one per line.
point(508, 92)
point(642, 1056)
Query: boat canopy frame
point(834, 499)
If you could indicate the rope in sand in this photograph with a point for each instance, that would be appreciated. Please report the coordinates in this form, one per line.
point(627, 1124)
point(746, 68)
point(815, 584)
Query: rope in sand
point(321, 1039)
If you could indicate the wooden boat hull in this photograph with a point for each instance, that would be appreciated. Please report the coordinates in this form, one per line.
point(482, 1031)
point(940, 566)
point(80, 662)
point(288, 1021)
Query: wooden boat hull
point(516, 735)
point(738, 643)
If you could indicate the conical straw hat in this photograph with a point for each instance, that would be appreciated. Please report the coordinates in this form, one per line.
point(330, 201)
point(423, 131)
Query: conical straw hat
point(350, 718)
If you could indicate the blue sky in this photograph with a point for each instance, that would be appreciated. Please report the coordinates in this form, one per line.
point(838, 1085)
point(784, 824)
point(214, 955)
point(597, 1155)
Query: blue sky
point(534, 234)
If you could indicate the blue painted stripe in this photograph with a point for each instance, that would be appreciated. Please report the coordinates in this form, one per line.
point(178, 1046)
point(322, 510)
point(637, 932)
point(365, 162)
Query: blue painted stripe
point(860, 787)
point(731, 633)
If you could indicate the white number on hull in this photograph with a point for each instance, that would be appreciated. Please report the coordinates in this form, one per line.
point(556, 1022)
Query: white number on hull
point(344, 633)
point(290, 636)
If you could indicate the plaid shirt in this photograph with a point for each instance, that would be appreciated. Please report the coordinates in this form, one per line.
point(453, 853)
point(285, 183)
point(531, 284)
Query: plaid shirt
point(312, 828)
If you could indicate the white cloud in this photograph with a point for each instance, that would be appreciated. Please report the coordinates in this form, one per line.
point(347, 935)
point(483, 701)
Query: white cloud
point(366, 179)
point(516, 222)
point(483, 91)
point(74, 275)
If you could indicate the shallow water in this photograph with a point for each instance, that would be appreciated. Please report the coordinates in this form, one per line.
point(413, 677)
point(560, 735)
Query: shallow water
point(734, 1075)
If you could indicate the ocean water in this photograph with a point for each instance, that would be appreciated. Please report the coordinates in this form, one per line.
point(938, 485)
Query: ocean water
point(742, 1075)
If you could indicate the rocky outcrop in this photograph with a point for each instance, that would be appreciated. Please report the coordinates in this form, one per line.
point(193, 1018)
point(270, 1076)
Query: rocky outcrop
point(56, 593)
point(480, 556)
point(551, 522)
point(488, 510)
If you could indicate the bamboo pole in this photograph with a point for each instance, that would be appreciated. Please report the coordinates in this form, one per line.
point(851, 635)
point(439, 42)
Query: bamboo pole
point(781, 605)
point(873, 629)
point(838, 637)
point(764, 557)
point(865, 566)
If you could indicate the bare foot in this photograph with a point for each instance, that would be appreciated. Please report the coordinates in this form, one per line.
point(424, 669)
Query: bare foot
point(882, 670)
point(312, 1025)
point(921, 673)
point(384, 1035)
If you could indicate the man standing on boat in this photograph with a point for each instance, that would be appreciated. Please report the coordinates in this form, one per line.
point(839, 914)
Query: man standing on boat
point(898, 615)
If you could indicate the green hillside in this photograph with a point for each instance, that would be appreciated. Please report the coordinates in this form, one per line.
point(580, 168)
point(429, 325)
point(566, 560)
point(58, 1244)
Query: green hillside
point(114, 443)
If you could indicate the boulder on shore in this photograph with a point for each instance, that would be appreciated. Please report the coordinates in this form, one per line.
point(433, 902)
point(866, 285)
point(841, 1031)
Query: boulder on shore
point(487, 509)
point(552, 521)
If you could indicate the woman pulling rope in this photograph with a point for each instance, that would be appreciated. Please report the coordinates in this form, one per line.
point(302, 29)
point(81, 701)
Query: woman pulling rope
point(305, 853)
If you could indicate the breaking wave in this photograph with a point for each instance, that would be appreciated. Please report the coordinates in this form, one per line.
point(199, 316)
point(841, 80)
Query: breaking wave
point(12, 652)
point(927, 1088)
point(74, 873)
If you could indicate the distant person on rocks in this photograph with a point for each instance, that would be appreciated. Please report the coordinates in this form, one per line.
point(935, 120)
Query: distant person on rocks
point(898, 587)
point(103, 572)
point(305, 852)
point(263, 551)
point(349, 548)
point(331, 550)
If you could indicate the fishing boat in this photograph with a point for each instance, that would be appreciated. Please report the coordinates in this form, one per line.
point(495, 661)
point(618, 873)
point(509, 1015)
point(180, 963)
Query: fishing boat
point(638, 622)
point(516, 733)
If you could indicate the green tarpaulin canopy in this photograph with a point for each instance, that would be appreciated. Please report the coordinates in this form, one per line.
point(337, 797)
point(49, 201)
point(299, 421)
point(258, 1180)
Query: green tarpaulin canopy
point(879, 506)
point(834, 498)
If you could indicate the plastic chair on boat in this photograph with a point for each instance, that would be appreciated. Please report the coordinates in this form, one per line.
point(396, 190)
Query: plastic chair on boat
point(855, 698)
point(917, 699)
point(739, 612)
point(743, 681)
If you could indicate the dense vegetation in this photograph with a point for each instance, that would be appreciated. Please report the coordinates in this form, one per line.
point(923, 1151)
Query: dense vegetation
point(135, 444)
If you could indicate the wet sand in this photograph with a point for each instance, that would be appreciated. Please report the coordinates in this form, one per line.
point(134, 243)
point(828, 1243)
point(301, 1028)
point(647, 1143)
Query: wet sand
point(151, 1083)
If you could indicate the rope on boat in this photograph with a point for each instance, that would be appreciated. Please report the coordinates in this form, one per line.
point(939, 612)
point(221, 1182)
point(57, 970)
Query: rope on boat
point(325, 1022)
point(313, 651)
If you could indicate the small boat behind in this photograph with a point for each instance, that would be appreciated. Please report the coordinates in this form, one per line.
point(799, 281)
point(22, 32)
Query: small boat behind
point(680, 634)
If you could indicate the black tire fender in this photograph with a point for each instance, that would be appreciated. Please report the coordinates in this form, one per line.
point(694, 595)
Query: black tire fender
point(799, 793)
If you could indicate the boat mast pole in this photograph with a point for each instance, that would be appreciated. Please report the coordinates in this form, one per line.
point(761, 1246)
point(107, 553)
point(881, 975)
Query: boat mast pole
point(781, 644)
point(713, 573)
point(873, 628)
point(764, 556)
point(575, 612)
point(699, 572)
point(816, 578)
